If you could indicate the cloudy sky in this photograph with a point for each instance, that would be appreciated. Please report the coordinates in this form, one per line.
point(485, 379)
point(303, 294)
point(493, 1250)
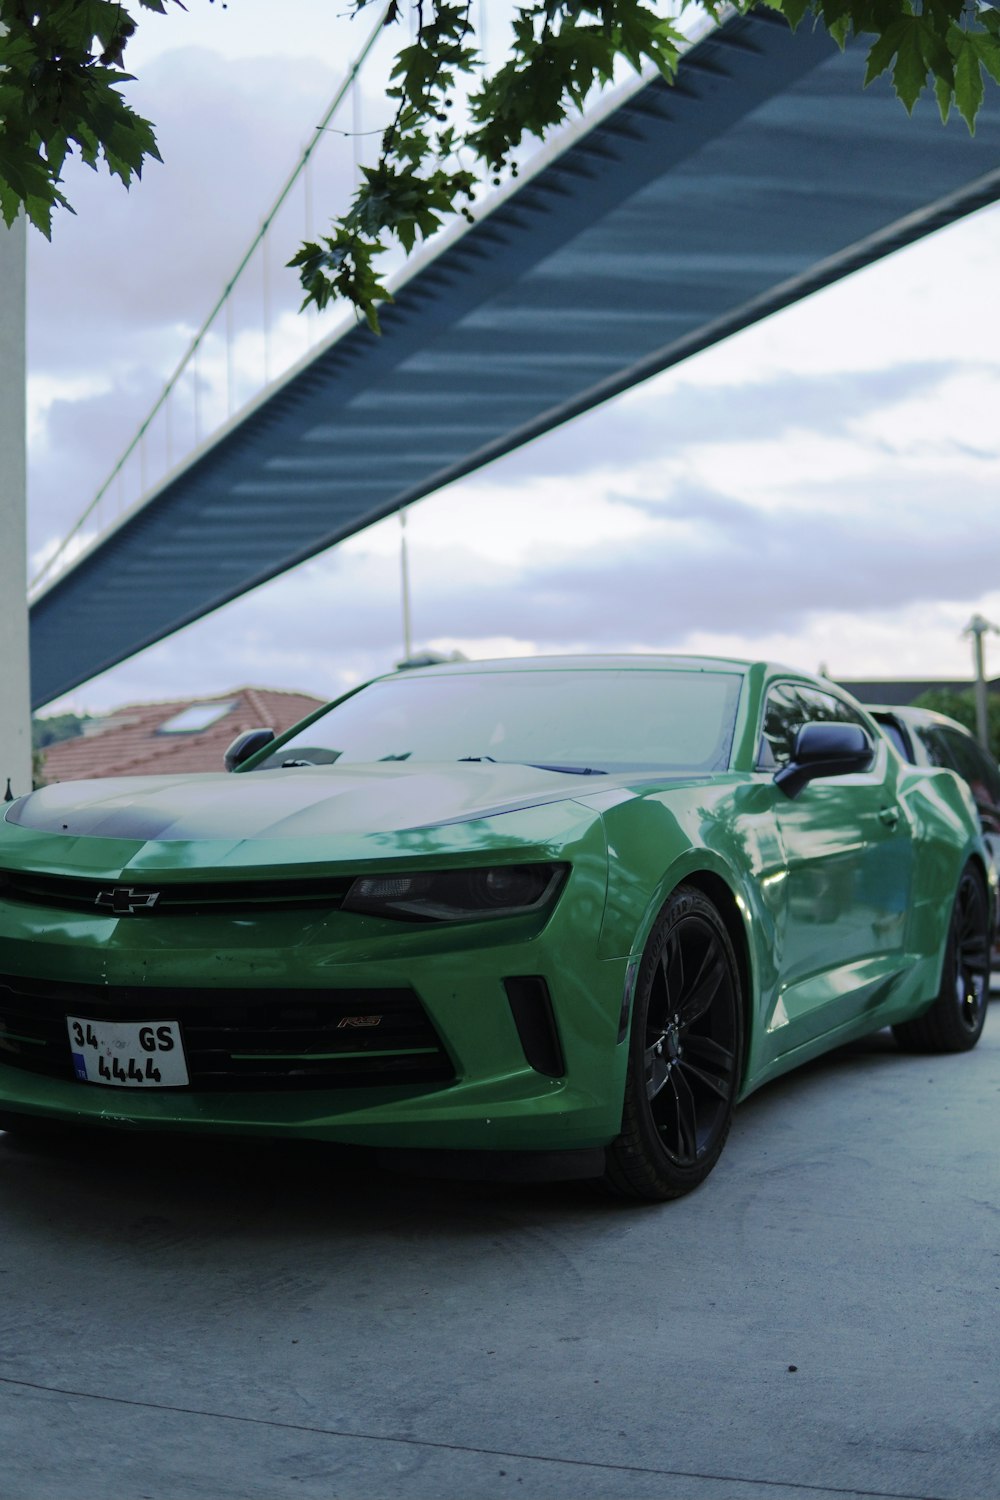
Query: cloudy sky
point(821, 488)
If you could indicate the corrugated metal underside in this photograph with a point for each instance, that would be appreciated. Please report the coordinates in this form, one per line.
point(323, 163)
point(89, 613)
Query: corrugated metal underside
point(685, 214)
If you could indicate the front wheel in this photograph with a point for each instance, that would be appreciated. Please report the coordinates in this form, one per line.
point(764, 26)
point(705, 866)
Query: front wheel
point(685, 1053)
point(954, 1022)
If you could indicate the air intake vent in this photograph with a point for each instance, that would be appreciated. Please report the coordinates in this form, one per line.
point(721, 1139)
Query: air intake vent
point(239, 1039)
point(531, 1007)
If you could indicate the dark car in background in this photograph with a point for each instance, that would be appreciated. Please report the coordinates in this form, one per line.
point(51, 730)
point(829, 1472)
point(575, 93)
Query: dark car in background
point(925, 738)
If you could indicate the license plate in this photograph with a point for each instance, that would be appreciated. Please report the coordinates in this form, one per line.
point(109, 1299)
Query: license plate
point(128, 1054)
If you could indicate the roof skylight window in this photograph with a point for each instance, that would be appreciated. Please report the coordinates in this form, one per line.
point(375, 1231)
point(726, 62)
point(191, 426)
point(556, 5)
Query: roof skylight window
point(198, 716)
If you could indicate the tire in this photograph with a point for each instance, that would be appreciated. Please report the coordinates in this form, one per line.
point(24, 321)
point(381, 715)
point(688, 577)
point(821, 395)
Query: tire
point(685, 1054)
point(954, 1021)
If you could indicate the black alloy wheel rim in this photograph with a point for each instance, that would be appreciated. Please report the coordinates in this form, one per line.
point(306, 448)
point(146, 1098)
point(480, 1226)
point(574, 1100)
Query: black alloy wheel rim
point(691, 1041)
point(969, 953)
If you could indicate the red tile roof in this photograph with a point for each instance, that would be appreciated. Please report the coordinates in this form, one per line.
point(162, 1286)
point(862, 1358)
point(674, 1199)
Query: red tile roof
point(132, 741)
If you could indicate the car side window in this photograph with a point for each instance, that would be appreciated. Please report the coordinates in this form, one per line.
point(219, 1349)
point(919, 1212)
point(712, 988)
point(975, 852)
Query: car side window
point(784, 715)
point(824, 707)
point(789, 706)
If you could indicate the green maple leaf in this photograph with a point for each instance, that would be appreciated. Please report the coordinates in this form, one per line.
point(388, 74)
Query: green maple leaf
point(988, 49)
point(794, 11)
point(901, 47)
point(968, 82)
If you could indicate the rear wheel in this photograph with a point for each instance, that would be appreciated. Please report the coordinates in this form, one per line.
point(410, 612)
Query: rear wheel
point(954, 1022)
point(685, 1050)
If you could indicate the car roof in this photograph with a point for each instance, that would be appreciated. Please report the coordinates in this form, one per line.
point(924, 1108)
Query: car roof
point(615, 661)
point(911, 715)
point(611, 661)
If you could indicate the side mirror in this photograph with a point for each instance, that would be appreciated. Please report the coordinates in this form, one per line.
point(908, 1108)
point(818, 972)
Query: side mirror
point(245, 745)
point(825, 750)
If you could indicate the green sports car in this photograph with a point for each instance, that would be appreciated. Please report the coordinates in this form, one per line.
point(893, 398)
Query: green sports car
point(551, 917)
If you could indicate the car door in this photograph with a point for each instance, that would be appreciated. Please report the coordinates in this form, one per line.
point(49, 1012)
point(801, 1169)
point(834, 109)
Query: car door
point(848, 865)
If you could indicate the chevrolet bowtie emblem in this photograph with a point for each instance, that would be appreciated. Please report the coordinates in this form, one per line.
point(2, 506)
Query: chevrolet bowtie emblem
point(123, 900)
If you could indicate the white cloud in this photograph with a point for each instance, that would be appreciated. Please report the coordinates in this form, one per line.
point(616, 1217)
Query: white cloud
point(512, 527)
point(955, 425)
point(45, 389)
point(250, 29)
point(921, 641)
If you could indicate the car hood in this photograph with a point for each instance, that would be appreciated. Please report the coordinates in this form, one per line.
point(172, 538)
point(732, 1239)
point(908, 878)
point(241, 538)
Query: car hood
point(312, 802)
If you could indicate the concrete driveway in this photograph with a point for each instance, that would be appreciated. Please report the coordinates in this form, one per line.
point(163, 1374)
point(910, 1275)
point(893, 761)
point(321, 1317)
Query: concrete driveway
point(820, 1319)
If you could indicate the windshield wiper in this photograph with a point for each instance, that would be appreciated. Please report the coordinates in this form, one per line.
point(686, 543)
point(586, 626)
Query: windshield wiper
point(564, 770)
point(567, 770)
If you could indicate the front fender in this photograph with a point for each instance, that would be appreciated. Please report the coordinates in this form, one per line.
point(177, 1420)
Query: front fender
point(657, 840)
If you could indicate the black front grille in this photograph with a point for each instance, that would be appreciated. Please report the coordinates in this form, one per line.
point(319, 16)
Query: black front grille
point(128, 896)
point(239, 1039)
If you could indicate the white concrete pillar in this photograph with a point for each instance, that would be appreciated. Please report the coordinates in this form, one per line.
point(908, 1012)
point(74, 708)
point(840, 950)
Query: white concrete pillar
point(15, 710)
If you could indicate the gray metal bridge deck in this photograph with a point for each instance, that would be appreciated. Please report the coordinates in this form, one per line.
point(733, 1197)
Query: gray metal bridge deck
point(682, 215)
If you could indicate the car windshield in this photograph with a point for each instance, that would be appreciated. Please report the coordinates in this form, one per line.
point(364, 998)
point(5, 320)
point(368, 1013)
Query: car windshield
point(581, 720)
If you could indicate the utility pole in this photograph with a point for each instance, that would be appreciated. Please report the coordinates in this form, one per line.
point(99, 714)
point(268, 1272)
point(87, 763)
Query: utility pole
point(404, 564)
point(15, 703)
point(977, 628)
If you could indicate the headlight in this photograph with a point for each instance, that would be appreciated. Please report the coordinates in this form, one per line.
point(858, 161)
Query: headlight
point(457, 895)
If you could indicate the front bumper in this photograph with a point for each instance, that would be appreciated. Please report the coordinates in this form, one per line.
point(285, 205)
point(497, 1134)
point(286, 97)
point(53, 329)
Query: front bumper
point(493, 1099)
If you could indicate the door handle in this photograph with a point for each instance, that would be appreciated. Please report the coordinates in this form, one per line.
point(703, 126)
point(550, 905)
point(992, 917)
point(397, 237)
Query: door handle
point(889, 816)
